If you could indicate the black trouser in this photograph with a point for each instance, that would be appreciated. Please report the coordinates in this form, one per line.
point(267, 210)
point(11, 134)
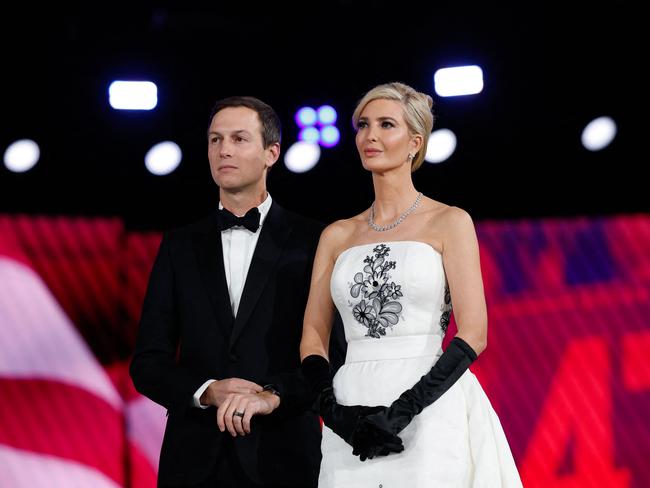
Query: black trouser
point(227, 472)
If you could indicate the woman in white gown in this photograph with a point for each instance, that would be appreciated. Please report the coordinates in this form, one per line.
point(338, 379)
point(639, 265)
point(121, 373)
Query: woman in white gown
point(400, 411)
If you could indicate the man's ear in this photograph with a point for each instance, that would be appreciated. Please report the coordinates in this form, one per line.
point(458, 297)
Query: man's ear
point(272, 154)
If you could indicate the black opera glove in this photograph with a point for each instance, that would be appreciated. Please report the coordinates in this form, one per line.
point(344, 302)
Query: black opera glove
point(342, 419)
point(376, 428)
point(369, 442)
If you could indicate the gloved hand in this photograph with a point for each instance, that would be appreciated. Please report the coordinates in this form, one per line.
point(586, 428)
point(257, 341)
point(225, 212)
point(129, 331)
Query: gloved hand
point(342, 419)
point(369, 442)
point(374, 433)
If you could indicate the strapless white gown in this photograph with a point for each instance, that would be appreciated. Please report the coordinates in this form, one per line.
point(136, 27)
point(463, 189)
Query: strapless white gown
point(395, 305)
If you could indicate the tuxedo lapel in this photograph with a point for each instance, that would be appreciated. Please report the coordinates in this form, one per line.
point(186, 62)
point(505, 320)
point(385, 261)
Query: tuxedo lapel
point(273, 236)
point(209, 253)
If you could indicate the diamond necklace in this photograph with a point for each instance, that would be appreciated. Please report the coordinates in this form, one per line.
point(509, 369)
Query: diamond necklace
point(382, 228)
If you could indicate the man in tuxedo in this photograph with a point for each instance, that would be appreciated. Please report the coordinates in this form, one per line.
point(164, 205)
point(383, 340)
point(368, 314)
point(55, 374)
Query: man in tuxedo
point(218, 344)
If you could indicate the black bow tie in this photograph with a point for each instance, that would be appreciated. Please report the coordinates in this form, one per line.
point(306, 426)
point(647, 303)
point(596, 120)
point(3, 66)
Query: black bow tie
point(226, 219)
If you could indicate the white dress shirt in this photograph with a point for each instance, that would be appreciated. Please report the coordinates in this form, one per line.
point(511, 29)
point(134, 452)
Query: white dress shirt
point(238, 244)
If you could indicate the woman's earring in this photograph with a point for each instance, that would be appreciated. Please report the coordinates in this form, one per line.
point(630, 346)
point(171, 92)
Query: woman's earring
point(410, 157)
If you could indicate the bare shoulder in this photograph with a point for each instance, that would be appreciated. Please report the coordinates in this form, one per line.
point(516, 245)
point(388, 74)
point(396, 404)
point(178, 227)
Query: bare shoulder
point(445, 217)
point(455, 218)
point(433, 208)
point(337, 231)
point(335, 236)
point(457, 228)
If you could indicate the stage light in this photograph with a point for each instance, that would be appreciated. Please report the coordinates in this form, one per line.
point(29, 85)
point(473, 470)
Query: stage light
point(133, 95)
point(599, 133)
point(326, 115)
point(163, 158)
point(459, 80)
point(329, 136)
point(441, 145)
point(302, 156)
point(306, 117)
point(309, 134)
point(21, 155)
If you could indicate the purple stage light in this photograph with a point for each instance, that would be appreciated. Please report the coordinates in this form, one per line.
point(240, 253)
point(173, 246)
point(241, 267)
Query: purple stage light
point(326, 115)
point(309, 134)
point(306, 117)
point(329, 136)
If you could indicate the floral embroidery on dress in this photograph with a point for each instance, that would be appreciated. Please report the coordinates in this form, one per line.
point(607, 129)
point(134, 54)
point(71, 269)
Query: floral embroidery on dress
point(446, 311)
point(379, 308)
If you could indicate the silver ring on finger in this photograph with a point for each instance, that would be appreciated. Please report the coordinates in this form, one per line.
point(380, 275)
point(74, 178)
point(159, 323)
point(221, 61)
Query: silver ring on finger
point(238, 414)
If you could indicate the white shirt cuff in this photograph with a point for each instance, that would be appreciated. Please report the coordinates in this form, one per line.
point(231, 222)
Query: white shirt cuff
point(199, 392)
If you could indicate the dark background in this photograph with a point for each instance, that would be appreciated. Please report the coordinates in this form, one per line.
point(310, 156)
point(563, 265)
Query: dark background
point(548, 72)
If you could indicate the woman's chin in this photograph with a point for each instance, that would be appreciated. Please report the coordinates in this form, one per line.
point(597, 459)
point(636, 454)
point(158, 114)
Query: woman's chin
point(378, 166)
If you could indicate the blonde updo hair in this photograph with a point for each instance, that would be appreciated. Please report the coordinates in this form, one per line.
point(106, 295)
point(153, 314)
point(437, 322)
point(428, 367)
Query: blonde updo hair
point(417, 112)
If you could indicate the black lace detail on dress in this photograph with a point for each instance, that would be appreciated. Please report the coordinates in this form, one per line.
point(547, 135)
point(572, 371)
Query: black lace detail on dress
point(446, 311)
point(379, 308)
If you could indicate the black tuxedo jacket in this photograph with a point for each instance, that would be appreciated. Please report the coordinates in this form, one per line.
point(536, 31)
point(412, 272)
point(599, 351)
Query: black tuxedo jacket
point(188, 335)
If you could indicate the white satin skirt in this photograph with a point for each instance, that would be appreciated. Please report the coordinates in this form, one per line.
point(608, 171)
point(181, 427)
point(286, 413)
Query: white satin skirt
point(458, 441)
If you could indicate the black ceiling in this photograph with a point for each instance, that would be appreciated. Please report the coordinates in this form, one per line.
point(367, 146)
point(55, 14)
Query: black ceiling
point(547, 73)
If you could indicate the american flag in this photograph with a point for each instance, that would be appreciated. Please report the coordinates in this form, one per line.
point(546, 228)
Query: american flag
point(567, 365)
point(70, 294)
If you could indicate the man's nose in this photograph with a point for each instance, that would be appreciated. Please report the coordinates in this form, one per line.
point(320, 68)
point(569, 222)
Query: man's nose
point(225, 150)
